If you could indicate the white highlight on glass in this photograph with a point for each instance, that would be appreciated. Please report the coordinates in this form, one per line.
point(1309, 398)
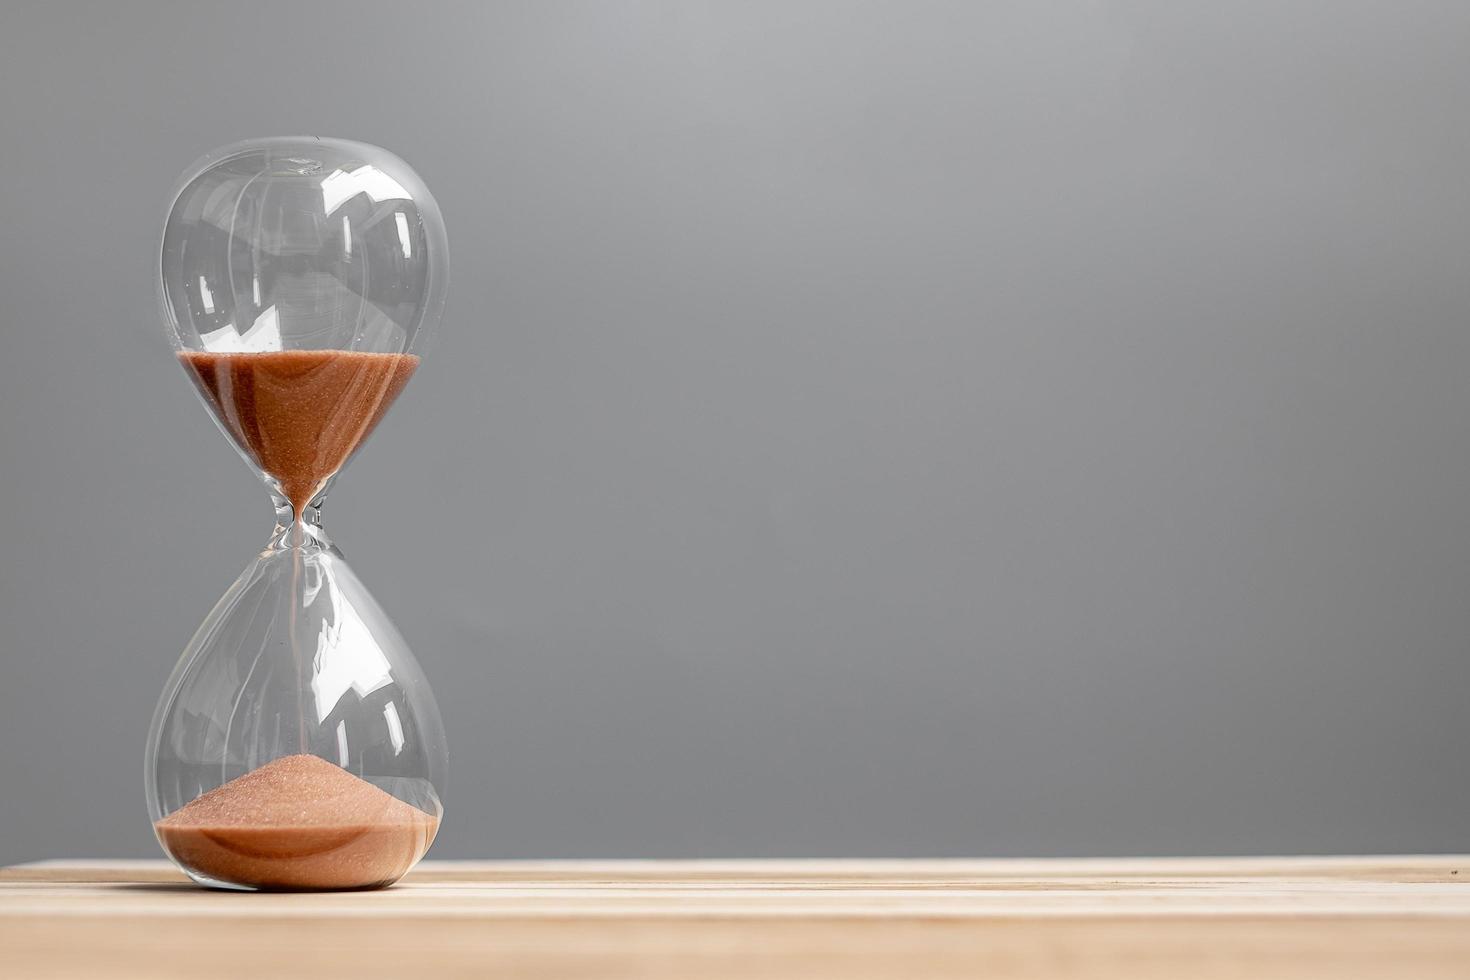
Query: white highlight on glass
point(340, 185)
point(401, 220)
point(264, 335)
point(395, 726)
point(347, 658)
point(346, 236)
point(206, 296)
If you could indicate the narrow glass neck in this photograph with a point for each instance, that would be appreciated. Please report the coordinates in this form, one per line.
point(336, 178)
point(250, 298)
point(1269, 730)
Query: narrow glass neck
point(303, 530)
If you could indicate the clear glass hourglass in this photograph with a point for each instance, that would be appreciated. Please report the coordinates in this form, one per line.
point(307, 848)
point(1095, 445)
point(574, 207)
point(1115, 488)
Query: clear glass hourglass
point(297, 744)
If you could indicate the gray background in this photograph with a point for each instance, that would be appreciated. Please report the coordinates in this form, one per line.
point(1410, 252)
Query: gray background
point(857, 428)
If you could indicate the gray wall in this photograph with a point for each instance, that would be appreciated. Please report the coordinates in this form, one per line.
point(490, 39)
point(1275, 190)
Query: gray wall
point(858, 428)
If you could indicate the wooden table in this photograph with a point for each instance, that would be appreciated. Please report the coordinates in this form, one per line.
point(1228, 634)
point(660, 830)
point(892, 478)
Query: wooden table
point(1397, 917)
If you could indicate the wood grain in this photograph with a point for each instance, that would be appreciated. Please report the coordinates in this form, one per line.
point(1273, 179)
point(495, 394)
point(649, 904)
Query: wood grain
point(1231, 917)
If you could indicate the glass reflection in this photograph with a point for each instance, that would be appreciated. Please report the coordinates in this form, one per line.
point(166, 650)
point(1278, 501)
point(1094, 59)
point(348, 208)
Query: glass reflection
point(342, 185)
point(347, 657)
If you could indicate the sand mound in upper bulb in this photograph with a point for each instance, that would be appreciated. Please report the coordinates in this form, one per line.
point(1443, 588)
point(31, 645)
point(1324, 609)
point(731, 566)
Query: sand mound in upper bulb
point(300, 413)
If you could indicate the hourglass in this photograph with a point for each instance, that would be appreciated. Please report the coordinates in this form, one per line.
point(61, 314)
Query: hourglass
point(297, 744)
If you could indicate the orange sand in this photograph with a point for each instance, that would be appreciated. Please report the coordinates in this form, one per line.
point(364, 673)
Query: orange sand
point(300, 413)
point(298, 822)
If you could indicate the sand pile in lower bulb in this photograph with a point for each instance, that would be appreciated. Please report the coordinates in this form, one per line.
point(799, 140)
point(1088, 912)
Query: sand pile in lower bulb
point(298, 822)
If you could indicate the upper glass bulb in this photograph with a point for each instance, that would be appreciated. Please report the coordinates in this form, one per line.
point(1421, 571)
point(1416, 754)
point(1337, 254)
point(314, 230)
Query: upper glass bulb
point(303, 243)
point(300, 279)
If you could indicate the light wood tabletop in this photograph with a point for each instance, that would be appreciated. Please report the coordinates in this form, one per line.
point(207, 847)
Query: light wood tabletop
point(1354, 917)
